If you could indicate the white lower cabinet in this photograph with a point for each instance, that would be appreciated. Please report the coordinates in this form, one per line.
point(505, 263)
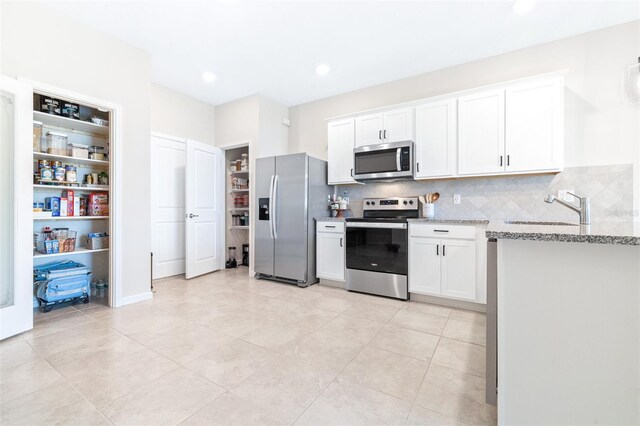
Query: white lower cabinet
point(444, 260)
point(330, 253)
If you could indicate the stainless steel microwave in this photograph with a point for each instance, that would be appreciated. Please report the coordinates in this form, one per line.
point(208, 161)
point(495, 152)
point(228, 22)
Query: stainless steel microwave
point(389, 161)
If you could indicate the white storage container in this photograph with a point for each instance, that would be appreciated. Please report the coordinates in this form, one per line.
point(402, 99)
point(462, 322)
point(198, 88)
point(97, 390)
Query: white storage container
point(78, 150)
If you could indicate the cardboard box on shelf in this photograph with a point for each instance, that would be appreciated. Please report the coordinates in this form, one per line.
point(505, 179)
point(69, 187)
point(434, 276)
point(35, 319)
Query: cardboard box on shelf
point(64, 207)
point(69, 195)
point(98, 198)
point(52, 204)
point(98, 210)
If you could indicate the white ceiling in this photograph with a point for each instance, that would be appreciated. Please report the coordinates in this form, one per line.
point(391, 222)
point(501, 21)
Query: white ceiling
point(273, 48)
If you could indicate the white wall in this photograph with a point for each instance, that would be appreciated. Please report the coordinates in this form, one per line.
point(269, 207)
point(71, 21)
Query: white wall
point(601, 128)
point(179, 115)
point(94, 64)
point(238, 120)
point(273, 135)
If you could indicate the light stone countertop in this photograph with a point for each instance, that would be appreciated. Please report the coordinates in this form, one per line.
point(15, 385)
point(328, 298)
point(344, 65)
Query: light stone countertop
point(329, 219)
point(456, 221)
point(624, 232)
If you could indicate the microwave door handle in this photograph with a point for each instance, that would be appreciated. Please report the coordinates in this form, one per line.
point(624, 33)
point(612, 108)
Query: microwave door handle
point(398, 152)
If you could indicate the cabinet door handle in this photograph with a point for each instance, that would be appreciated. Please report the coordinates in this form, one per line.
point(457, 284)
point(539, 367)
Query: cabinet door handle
point(380, 134)
point(329, 226)
point(418, 167)
point(444, 252)
point(340, 241)
point(508, 160)
point(501, 161)
point(351, 172)
point(437, 249)
point(384, 134)
point(440, 230)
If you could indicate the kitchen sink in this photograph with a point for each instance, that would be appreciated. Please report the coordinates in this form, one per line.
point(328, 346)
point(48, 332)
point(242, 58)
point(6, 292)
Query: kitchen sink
point(527, 222)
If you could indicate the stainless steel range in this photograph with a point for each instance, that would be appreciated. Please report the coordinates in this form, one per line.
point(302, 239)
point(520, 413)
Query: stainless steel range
point(377, 247)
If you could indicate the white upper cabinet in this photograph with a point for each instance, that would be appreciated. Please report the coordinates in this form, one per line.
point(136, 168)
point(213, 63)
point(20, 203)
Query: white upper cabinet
point(369, 129)
point(398, 125)
point(341, 140)
point(391, 126)
point(534, 126)
point(436, 139)
point(481, 133)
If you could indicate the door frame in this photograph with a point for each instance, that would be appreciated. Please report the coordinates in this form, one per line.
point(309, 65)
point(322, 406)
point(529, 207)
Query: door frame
point(154, 246)
point(115, 177)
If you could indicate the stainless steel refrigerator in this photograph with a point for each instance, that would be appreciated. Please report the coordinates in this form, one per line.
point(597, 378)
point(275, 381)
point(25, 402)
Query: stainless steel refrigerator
point(290, 191)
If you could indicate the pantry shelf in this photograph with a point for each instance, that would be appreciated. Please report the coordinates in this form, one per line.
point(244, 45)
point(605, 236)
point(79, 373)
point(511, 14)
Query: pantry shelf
point(70, 123)
point(71, 160)
point(80, 250)
point(239, 209)
point(239, 190)
point(239, 172)
point(74, 188)
point(71, 218)
point(238, 227)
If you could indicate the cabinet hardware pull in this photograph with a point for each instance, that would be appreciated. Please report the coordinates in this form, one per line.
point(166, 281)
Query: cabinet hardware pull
point(440, 230)
point(418, 167)
point(508, 159)
point(351, 172)
point(329, 226)
point(380, 134)
point(340, 241)
point(501, 161)
point(384, 134)
point(437, 249)
point(444, 253)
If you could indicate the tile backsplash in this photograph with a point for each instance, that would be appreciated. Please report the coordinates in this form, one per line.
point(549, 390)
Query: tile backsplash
point(515, 197)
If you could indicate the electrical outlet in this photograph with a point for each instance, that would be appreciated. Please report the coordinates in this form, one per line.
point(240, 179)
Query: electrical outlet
point(564, 195)
point(456, 198)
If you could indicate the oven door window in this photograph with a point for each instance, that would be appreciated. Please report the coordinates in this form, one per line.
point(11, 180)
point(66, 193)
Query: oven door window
point(376, 162)
point(377, 250)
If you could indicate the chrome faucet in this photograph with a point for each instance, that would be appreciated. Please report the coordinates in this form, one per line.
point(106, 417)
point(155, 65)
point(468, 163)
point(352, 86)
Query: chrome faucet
point(584, 210)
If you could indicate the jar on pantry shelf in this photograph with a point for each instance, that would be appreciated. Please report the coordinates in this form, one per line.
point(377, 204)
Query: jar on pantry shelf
point(96, 153)
point(59, 174)
point(46, 173)
point(56, 143)
point(71, 174)
point(238, 165)
point(37, 136)
point(244, 163)
point(232, 166)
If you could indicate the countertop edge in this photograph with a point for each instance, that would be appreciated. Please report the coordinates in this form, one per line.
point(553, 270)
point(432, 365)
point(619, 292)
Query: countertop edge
point(565, 238)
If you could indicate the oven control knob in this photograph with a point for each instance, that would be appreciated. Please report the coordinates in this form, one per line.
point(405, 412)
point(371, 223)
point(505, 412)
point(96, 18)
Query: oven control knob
point(404, 202)
point(373, 203)
point(368, 203)
point(410, 201)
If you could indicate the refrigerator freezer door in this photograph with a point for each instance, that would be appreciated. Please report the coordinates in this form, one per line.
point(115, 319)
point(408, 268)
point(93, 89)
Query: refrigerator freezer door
point(291, 219)
point(264, 243)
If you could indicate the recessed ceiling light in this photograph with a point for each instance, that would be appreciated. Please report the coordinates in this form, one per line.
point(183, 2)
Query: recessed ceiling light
point(521, 7)
point(208, 77)
point(323, 69)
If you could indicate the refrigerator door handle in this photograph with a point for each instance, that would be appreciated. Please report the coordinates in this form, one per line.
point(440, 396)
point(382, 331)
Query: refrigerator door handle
point(274, 207)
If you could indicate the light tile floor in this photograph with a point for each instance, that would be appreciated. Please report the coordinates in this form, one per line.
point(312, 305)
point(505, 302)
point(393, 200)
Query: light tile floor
point(227, 349)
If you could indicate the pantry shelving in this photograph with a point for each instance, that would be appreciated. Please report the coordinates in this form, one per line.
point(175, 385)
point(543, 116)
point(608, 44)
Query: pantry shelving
point(238, 201)
point(70, 124)
point(73, 160)
point(77, 251)
point(72, 218)
point(61, 142)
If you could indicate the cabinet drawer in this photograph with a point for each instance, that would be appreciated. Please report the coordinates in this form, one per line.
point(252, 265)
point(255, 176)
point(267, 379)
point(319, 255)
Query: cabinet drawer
point(337, 227)
point(442, 231)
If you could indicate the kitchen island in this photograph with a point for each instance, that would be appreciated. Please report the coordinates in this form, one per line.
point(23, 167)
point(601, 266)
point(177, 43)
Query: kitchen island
point(568, 323)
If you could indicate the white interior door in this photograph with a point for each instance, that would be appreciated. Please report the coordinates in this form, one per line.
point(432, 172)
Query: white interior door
point(16, 258)
point(168, 162)
point(204, 209)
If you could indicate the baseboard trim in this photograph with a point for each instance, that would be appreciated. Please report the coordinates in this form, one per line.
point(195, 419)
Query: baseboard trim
point(331, 283)
point(450, 303)
point(136, 298)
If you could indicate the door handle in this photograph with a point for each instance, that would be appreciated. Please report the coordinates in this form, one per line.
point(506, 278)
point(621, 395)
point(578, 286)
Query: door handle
point(501, 161)
point(398, 153)
point(380, 134)
point(272, 201)
point(441, 230)
point(384, 134)
point(418, 167)
point(340, 241)
point(444, 248)
point(351, 172)
point(191, 215)
point(274, 209)
point(508, 160)
point(437, 249)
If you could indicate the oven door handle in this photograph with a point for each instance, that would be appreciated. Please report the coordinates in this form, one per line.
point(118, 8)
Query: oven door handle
point(376, 225)
point(398, 166)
